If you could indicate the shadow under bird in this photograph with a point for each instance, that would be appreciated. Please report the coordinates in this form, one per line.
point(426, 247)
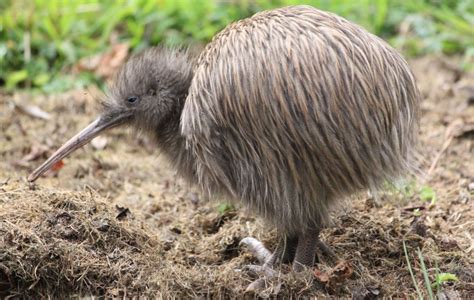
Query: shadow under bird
point(289, 112)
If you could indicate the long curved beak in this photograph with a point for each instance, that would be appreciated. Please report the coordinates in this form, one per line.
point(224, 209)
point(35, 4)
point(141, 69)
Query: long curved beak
point(95, 128)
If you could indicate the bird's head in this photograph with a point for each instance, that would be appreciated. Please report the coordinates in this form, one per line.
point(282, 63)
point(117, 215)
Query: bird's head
point(148, 93)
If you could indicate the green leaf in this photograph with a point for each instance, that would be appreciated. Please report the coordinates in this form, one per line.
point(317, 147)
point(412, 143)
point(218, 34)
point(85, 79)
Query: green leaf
point(58, 84)
point(41, 79)
point(50, 30)
point(225, 207)
point(3, 50)
point(14, 78)
point(427, 194)
point(381, 15)
point(444, 277)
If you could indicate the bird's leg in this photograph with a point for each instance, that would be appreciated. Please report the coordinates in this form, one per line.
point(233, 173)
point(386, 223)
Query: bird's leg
point(284, 251)
point(305, 251)
point(309, 245)
point(326, 250)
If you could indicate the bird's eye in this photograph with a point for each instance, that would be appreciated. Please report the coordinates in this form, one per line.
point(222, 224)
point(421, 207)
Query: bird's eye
point(132, 99)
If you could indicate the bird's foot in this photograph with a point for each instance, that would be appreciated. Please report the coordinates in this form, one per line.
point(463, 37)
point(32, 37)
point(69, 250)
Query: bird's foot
point(267, 259)
point(326, 251)
point(261, 253)
point(263, 274)
point(300, 251)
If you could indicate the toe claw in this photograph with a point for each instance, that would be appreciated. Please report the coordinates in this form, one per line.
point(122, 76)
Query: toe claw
point(256, 286)
point(325, 249)
point(257, 249)
point(253, 270)
point(260, 270)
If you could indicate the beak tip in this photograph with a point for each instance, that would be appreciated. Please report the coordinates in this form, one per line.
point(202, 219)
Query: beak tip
point(31, 178)
point(80, 139)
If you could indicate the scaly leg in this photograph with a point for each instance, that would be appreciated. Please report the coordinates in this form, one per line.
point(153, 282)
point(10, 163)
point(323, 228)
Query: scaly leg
point(306, 250)
point(284, 252)
point(309, 245)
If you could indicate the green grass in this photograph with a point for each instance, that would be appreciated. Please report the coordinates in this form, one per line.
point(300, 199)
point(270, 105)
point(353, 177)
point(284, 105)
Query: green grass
point(412, 275)
point(440, 278)
point(41, 39)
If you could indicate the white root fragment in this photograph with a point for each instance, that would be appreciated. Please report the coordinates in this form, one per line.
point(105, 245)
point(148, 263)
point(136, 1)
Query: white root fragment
point(32, 110)
point(99, 143)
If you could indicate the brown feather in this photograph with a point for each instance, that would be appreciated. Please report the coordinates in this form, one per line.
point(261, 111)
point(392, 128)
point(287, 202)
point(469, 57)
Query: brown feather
point(294, 109)
point(289, 111)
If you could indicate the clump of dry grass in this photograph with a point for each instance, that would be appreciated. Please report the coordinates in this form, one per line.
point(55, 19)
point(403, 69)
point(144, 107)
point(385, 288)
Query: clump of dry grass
point(56, 243)
point(64, 243)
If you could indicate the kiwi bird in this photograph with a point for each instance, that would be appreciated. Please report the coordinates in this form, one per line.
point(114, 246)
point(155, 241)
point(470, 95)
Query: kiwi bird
point(289, 112)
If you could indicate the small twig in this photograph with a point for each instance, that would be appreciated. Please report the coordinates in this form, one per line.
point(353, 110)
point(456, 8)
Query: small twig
point(412, 208)
point(446, 145)
point(453, 130)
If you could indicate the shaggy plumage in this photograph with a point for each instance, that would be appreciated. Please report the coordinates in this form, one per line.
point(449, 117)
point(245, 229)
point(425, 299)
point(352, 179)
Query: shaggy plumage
point(288, 111)
point(293, 109)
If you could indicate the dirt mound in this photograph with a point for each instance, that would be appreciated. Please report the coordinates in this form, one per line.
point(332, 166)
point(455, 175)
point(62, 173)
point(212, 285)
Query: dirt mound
point(56, 243)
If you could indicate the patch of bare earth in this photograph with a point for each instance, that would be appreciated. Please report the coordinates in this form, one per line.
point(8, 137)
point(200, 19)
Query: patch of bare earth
point(114, 219)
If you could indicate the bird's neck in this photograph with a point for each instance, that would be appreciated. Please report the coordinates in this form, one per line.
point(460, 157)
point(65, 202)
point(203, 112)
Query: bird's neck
point(169, 138)
point(173, 146)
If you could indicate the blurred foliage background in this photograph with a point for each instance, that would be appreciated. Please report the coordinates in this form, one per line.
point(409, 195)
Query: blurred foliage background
point(42, 40)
